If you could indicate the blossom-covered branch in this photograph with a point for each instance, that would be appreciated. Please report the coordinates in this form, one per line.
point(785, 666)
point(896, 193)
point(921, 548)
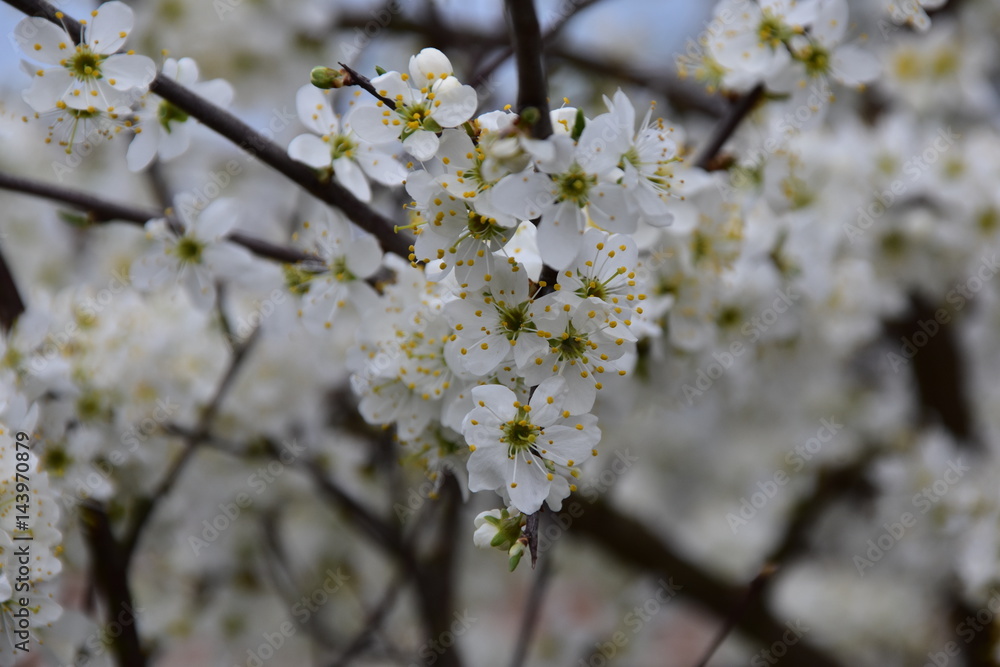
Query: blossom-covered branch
point(249, 140)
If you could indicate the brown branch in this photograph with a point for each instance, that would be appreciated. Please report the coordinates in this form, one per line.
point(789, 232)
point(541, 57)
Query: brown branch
point(146, 506)
point(754, 591)
point(11, 305)
point(353, 78)
point(532, 610)
point(101, 210)
point(435, 578)
point(110, 574)
point(938, 369)
point(372, 623)
point(681, 96)
point(728, 126)
point(487, 70)
point(634, 544)
point(378, 530)
point(532, 89)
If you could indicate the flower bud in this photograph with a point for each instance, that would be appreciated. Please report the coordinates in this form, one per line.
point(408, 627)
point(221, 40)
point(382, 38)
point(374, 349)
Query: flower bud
point(326, 77)
point(497, 529)
point(516, 552)
point(429, 65)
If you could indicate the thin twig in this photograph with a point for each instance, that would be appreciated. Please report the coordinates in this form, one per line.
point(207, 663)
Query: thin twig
point(378, 530)
point(728, 126)
point(145, 507)
point(532, 610)
point(288, 588)
point(531, 531)
point(353, 78)
point(682, 96)
point(754, 591)
point(373, 622)
point(634, 544)
point(101, 210)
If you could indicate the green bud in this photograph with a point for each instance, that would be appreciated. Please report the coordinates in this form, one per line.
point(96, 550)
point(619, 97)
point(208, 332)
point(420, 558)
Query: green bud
point(326, 77)
point(516, 552)
point(379, 70)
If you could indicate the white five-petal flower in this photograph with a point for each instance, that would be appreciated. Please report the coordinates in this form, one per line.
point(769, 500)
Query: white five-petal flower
point(524, 449)
point(88, 76)
point(196, 258)
point(335, 146)
point(427, 100)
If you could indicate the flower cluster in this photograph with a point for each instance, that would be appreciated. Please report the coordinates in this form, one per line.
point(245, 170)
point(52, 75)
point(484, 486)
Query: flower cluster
point(467, 347)
point(91, 89)
point(565, 301)
point(783, 44)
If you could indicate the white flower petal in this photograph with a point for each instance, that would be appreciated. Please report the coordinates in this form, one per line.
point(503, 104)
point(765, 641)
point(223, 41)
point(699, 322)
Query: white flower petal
point(429, 65)
point(545, 412)
point(349, 175)
point(532, 485)
point(853, 66)
point(609, 209)
point(370, 124)
point(391, 85)
point(457, 105)
point(149, 271)
point(42, 41)
point(560, 236)
point(174, 143)
point(486, 466)
point(142, 150)
point(107, 31)
point(216, 220)
point(310, 149)
point(364, 256)
point(200, 287)
point(123, 71)
point(498, 398)
point(381, 167)
point(831, 23)
point(227, 260)
point(523, 195)
point(422, 145)
point(314, 110)
point(47, 90)
point(183, 71)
